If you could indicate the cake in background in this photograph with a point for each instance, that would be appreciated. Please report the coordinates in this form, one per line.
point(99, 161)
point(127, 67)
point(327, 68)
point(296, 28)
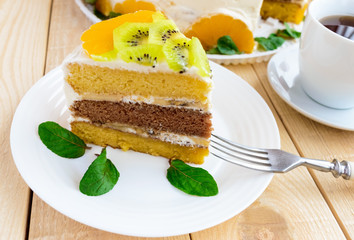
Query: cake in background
point(285, 10)
point(138, 83)
point(209, 20)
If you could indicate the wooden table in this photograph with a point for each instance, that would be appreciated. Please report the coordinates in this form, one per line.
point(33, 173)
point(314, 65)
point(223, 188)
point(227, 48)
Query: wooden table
point(35, 37)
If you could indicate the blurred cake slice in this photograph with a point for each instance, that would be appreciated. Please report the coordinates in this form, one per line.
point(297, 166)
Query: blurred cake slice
point(284, 10)
point(208, 20)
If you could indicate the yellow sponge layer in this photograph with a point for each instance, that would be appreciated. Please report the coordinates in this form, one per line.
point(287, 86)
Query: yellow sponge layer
point(102, 80)
point(109, 137)
point(284, 11)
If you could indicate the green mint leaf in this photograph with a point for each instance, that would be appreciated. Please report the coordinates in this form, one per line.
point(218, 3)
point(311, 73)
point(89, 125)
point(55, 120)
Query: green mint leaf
point(283, 33)
point(90, 1)
point(100, 177)
point(104, 17)
point(227, 46)
point(60, 140)
point(288, 33)
point(270, 43)
point(213, 51)
point(292, 32)
point(99, 14)
point(113, 14)
point(191, 180)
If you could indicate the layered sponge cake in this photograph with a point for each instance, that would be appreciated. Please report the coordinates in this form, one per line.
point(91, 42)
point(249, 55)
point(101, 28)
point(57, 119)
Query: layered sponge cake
point(137, 83)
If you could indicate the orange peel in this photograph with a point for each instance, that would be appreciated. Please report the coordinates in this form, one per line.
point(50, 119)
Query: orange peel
point(129, 6)
point(210, 29)
point(98, 39)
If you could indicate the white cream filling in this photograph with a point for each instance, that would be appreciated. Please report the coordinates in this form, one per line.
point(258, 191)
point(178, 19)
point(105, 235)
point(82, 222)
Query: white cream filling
point(183, 140)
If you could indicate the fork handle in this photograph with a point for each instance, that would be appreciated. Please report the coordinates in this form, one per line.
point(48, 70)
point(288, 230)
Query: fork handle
point(343, 168)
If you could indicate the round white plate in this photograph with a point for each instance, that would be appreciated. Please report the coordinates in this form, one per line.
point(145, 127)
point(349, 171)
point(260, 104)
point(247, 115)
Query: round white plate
point(264, 29)
point(283, 74)
point(143, 203)
point(255, 57)
point(87, 9)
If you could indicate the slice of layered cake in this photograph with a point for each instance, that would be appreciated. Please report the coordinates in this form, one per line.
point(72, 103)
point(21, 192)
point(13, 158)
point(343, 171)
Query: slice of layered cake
point(138, 83)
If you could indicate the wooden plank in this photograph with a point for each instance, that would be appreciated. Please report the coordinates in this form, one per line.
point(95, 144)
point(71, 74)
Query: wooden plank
point(291, 207)
point(67, 25)
point(286, 219)
point(315, 140)
point(23, 34)
point(47, 223)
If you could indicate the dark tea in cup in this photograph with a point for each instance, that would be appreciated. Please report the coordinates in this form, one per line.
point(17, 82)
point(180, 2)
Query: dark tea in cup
point(342, 25)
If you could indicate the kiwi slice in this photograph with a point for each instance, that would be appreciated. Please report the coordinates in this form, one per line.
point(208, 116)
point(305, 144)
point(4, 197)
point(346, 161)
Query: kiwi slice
point(176, 52)
point(163, 30)
point(130, 35)
point(183, 53)
point(198, 58)
point(105, 57)
point(147, 54)
point(157, 16)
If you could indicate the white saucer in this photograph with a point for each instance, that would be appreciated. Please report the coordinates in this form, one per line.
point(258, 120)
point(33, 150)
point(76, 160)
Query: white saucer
point(283, 75)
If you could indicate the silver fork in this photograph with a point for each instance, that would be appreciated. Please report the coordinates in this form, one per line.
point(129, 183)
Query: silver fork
point(274, 160)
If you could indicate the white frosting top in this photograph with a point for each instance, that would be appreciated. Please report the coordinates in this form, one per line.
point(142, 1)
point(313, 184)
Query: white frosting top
point(185, 12)
point(80, 57)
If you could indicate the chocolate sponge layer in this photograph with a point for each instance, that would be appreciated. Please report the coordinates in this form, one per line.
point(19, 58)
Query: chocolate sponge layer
point(147, 116)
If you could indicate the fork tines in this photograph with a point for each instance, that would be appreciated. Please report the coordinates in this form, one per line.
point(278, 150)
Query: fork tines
point(248, 157)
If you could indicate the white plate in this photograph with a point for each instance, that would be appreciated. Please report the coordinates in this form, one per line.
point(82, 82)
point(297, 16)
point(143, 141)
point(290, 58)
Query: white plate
point(87, 9)
point(283, 74)
point(264, 29)
point(255, 57)
point(143, 203)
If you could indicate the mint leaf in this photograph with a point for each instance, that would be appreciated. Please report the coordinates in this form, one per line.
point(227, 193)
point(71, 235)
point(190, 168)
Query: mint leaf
point(288, 33)
point(90, 1)
point(100, 177)
point(283, 34)
point(104, 17)
point(60, 140)
point(292, 32)
point(191, 180)
point(213, 51)
point(99, 14)
point(227, 46)
point(270, 43)
point(113, 14)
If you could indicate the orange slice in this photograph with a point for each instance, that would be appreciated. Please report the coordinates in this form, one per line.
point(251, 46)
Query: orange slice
point(98, 39)
point(129, 6)
point(210, 29)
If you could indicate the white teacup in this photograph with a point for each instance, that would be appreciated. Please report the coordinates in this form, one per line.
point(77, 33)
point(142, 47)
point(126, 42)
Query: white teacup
point(327, 59)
